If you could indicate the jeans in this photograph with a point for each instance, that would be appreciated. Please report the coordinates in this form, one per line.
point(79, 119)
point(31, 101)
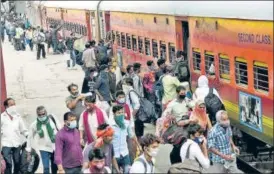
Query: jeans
point(48, 157)
point(12, 154)
point(74, 170)
point(73, 57)
point(124, 163)
point(30, 43)
point(41, 47)
point(54, 44)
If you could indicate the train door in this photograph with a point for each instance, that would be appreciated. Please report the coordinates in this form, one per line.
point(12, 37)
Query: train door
point(185, 38)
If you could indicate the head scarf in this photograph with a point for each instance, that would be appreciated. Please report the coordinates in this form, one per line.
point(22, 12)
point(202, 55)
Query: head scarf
point(101, 134)
point(200, 114)
point(202, 81)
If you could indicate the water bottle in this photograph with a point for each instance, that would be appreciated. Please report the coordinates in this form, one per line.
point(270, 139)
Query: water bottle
point(228, 163)
point(31, 164)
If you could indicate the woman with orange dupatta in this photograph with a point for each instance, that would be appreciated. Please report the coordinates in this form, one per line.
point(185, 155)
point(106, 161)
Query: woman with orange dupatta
point(199, 114)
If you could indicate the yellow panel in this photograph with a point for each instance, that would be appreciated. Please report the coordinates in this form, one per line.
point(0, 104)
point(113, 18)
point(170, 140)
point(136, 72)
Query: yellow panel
point(172, 44)
point(209, 53)
point(196, 50)
point(134, 37)
point(239, 59)
point(225, 76)
point(261, 64)
point(223, 56)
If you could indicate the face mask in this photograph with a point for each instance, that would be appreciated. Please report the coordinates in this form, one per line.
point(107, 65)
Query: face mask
point(12, 110)
point(95, 74)
point(72, 124)
point(119, 119)
point(43, 118)
point(198, 140)
point(225, 124)
point(121, 100)
point(100, 165)
point(182, 97)
point(153, 152)
point(75, 94)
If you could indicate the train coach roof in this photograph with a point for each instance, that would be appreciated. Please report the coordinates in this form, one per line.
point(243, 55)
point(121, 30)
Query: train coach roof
point(257, 10)
point(81, 5)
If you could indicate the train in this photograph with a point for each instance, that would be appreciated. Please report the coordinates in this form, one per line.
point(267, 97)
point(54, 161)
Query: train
point(235, 36)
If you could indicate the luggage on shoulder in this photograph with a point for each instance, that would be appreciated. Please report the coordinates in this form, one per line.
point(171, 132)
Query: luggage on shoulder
point(213, 105)
point(187, 166)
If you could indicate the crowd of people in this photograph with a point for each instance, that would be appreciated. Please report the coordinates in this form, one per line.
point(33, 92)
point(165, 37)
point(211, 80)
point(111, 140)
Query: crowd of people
point(103, 132)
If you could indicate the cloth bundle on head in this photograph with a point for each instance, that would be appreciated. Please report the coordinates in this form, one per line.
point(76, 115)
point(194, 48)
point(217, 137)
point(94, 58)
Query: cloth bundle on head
point(101, 134)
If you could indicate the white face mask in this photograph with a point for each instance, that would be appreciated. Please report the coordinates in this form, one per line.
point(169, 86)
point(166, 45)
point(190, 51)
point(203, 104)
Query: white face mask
point(122, 100)
point(12, 111)
point(95, 74)
point(153, 152)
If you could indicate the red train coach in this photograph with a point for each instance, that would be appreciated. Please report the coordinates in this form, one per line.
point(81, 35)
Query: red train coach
point(3, 81)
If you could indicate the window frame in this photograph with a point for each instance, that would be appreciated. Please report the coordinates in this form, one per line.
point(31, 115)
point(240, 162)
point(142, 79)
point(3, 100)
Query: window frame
point(134, 48)
point(208, 55)
point(240, 61)
point(140, 45)
point(123, 42)
point(169, 52)
point(128, 42)
point(196, 51)
point(222, 74)
point(262, 66)
point(163, 43)
point(155, 50)
point(118, 38)
point(147, 40)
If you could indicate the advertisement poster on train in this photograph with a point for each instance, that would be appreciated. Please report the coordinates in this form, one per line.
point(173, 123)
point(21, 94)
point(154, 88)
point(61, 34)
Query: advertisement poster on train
point(250, 108)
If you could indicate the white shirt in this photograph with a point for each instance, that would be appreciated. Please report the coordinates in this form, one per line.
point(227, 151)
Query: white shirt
point(138, 167)
point(43, 143)
point(134, 103)
point(195, 153)
point(92, 121)
point(12, 130)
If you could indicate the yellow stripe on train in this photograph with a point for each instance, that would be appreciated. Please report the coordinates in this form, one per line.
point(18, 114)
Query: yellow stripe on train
point(267, 121)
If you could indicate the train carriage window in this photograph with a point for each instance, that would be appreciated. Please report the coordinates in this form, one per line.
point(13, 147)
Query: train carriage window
point(155, 48)
point(123, 40)
point(162, 50)
point(241, 71)
point(118, 38)
point(85, 31)
point(260, 71)
point(128, 41)
point(171, 52)
point(141, 45)
point(134, 43)
point(112, 36)
point(224, 67)
point(209, 63)
point(147, 47)
point(196, 54)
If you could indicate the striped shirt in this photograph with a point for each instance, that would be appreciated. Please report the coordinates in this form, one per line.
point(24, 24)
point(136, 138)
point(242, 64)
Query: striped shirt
point(219, 138)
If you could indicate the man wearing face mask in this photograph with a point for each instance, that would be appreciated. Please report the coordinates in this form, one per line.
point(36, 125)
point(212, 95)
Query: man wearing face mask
point(75, 101)
point(43, 131)
point(179, 107)
point(104, 142)
point(97, 162)
point(122, 130)
point(12, 126)
point(220, 143)
point(68, 152)
point(90, 81)
point(195, 146)
point(145, 163)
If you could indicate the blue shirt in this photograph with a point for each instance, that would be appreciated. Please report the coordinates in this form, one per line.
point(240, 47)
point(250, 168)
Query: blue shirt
point(219, 138)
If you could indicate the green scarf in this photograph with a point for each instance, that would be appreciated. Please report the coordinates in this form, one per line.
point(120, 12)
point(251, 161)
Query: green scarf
point(49, 129)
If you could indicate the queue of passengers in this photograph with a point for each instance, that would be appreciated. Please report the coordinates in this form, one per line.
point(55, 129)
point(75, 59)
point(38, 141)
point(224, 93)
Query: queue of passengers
point(102, 132)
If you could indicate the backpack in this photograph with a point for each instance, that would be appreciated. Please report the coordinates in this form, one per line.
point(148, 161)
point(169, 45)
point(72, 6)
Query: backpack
point(79, 58)
point(25, 164)
point(146, 112)
point(187, 166)
point(213, 105)
point(159, 89)
point(40, 38)
point(141, 160)
point(182, 71)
